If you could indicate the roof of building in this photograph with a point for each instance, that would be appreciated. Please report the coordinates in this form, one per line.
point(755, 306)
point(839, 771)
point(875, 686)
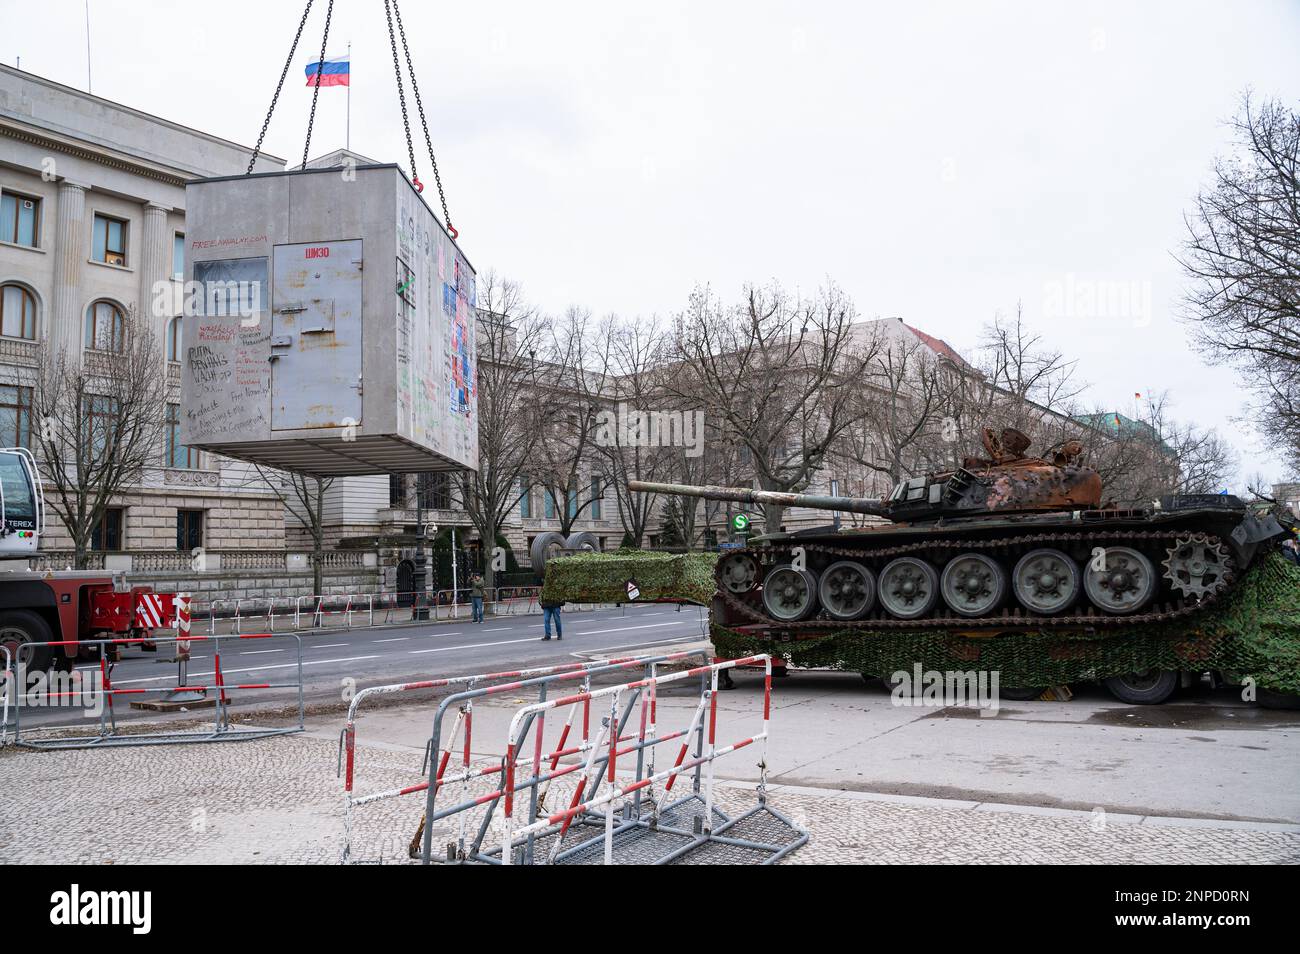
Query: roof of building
point(937, 345)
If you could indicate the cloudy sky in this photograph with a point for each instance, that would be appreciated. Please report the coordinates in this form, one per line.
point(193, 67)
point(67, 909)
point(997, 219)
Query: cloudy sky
point(940, 161)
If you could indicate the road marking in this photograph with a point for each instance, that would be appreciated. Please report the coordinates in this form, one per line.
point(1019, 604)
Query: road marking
point(314, 662)
point(624, 629)
point(258, 652)
point(501, 642)
point(395, 639)
point(653, 642)
point(499, 629)
point(327, 646)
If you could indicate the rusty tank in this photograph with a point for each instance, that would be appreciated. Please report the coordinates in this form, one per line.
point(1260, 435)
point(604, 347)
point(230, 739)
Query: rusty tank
point(1006, 542)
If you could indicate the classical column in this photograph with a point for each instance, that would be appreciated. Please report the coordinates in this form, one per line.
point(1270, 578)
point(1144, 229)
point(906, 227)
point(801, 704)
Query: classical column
point(155, 264)
point(67, 323)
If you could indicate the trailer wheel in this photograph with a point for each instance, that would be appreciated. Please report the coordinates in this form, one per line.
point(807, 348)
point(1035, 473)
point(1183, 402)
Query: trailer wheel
point(1148, 688)
point(18, 627)
point(1270, 699)
point(1021, 693)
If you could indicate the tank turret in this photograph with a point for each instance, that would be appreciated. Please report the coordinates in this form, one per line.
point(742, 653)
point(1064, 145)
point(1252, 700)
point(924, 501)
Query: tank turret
point(1004, 482)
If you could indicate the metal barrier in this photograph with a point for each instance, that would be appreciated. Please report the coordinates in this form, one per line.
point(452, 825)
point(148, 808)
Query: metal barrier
point(108, 736)
point(651, 829)
point(440, 755)
point(8, 683)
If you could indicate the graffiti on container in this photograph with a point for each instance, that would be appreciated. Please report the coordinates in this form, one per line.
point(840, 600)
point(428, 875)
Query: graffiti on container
point(209, 366)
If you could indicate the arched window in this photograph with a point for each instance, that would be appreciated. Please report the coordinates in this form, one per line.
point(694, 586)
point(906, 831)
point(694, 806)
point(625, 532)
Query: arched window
point(17, 312)
point(174, 340)
point(105, 327)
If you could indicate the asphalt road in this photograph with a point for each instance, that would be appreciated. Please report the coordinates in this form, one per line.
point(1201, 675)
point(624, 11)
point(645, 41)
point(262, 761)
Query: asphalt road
point(391, 654)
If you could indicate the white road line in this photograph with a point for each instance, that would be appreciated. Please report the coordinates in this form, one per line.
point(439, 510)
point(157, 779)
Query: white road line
point(327, 646)
point(624, 629)
point(503, 642)
point(395, 639)
point(258, 652)
point(226, 672)
point(499, 629)
point(652, 642)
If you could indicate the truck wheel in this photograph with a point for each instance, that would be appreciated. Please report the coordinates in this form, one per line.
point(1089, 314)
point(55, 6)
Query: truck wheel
point(545, 546)
point(18, 627)
point(1148, 688)
point(1269, 699)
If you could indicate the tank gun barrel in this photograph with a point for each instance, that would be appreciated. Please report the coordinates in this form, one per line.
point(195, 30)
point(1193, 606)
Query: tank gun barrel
point(867, 505)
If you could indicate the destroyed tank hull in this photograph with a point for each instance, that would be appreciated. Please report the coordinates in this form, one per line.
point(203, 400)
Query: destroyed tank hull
point(1005, 543)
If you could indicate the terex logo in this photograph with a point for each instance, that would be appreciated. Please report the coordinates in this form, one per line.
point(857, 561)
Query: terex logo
point(318, 252)
point(103, 907)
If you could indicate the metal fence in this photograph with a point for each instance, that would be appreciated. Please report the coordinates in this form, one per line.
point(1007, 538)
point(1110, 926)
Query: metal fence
point(499, 808)
point(72, 694)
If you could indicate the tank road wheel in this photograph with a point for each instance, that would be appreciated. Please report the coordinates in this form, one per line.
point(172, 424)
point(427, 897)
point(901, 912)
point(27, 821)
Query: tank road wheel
point(19, 627)
point(1196, 567)
point(1148, 688)
point(973, 584)
point(583, 540)
point(908, 588)
point(1046, 582)
point(847, 590)
point(1126, 585)
point(738, 572)
point(790, 595)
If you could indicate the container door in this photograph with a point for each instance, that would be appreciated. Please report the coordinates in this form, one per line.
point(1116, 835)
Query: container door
point(316, 335)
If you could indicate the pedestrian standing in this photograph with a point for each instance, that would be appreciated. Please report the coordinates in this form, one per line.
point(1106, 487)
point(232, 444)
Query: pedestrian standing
point(476, 598)
point(1291, 549)
point(551, 611)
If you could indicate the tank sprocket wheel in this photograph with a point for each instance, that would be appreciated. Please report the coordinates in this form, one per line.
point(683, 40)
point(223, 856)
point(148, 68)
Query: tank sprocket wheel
point(738, 572)
point(1197, 567)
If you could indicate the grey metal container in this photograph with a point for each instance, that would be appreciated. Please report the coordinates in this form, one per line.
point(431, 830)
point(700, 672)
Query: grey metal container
point(329, 326)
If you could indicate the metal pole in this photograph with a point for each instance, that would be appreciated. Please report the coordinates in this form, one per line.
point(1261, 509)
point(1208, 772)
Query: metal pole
point(349, 135)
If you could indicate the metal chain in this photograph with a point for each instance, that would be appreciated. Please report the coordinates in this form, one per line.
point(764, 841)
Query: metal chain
point(401, 96)
point(419, 106)
point(278, 86)
point(315, 93)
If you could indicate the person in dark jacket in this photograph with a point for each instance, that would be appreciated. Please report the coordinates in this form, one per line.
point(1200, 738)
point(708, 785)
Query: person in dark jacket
point(551, 610)
point(476, 598)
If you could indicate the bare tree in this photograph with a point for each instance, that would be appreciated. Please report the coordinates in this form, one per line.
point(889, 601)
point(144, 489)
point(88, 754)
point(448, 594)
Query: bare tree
point(1243, 259)
point(632, 387)
point(780, 373)
point(512, 405)
point(100, 422)
point(303, 496)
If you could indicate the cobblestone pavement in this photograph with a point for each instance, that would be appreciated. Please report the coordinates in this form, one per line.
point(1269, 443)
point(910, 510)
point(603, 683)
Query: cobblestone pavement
point(278, 801)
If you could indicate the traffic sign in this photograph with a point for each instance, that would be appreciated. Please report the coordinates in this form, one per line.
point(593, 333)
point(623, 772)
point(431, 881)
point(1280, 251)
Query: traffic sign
point(740, 522)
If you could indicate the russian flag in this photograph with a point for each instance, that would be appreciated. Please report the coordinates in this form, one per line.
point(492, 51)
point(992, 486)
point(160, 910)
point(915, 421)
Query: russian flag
point(336, 71)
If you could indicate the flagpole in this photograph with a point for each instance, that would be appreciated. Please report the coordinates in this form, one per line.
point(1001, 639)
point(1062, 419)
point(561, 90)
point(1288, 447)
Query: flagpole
point(349, 133)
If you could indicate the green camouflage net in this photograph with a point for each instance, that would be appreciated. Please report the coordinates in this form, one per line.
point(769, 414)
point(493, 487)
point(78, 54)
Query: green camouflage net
point(1255, 632)
point(602, 577)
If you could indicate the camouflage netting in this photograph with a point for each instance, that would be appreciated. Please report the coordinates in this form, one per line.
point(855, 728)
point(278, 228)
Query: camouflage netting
point(1255, 632)
point(602, 577)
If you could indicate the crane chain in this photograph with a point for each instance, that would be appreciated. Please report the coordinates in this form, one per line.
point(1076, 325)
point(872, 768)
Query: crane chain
point(944, 620)
point(315, 93)
point(401, 94)
point(419, 107)
point(278, 87)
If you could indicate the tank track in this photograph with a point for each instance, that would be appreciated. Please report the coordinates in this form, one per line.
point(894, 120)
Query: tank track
point(944, 618)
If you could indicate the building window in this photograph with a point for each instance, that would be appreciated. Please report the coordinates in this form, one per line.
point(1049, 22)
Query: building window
point(433, 491)
point(107, 534)
point(110, 240)
point(525, 498)
point(178, 256)
point(573, 500)
point(99, 418)
point(15, 416)
point(397, 491)
point(189, 530)
point(105, 327)
point(174, 340)
point(17, 312)
point(178, 455)
point(549, 497)
point(596, 492)
point(20, 219)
